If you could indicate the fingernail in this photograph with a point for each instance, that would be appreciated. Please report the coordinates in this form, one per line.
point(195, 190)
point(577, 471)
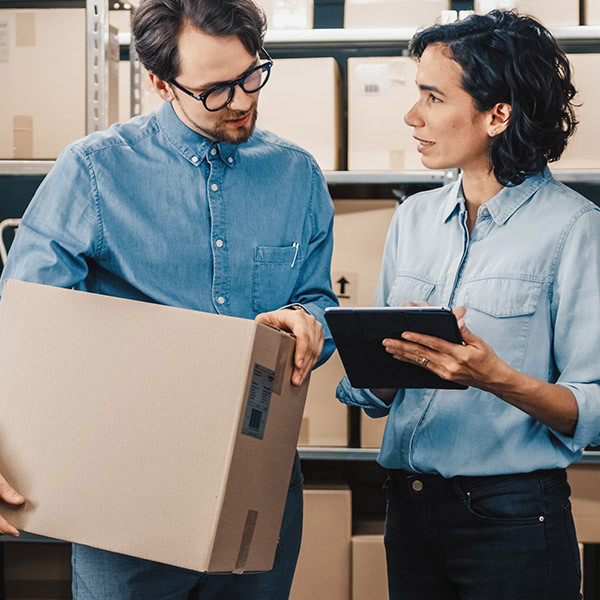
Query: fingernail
point(300, 362)
point(17, 497)
point(297, 379)
point(406, 335)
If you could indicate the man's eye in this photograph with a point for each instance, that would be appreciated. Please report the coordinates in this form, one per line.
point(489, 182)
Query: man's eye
point(434, 98)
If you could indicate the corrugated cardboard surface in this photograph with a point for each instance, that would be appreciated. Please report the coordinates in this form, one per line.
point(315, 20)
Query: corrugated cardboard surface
point(585, 500)
point(301, 103)
point(552, 13)
point(44, 79)
point(122, 420)
point(371, 431)
point(369, 568)
point(323, 569)
point(582, 148)
point(288, 14)
point(381, 90)
point(393, 13)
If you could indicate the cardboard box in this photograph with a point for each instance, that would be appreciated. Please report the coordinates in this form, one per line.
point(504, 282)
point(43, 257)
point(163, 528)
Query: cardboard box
point(393, 13)
point(591, 12)
point(149, 99)
point(290, 107)
point(371, 431)
point(324, 561)
point(43, 69)
point(381, 90)
point(123, 420)
point(355, 271)
point(582, 148)
point(326, 420)
point(585, 500)
point(288, 14)
point(552, 13)
point(369, 567)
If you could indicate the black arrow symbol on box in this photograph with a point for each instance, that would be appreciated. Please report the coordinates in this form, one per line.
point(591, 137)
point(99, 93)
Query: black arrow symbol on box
point(343, 282)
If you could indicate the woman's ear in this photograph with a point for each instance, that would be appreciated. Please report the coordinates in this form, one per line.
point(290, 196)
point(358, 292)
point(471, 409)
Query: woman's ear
point(162, 88)
point(499, 119)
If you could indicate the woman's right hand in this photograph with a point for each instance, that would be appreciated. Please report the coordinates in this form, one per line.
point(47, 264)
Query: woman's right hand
point(9, 495)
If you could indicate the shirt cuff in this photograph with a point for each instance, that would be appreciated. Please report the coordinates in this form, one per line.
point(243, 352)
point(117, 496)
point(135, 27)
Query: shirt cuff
point(587, 432)
point(364, 398)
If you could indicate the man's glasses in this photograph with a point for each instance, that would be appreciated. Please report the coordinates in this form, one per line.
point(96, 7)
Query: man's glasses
point(220, 96)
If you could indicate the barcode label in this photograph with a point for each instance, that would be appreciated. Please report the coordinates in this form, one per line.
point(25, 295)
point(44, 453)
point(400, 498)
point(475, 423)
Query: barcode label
point(259, 400)
point(371, 88)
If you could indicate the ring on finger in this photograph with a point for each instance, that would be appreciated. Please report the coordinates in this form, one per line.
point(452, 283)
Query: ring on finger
point(424, 361)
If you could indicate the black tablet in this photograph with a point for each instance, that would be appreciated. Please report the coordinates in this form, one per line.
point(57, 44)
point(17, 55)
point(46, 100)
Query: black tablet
point(358, 333)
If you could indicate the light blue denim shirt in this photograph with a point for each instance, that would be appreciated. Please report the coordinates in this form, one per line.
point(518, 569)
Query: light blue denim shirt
point(529, 276)
point(153, 211)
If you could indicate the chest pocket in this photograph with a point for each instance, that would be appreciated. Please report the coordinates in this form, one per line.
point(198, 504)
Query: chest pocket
point(273, 277)
point(500, 310)
point(407, 288)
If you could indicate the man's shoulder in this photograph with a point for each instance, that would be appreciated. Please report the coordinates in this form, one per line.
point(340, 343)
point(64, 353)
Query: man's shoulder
point(267, 143)
point(120, 135)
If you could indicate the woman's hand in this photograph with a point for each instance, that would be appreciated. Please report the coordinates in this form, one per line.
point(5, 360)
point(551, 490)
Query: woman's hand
point(472, 363)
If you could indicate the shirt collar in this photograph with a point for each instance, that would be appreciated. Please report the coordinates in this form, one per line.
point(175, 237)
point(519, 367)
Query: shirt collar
point(193, 146)
point(504, 204)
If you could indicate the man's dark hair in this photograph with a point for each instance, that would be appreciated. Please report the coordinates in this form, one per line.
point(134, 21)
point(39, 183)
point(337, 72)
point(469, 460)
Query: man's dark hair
point(512, 59)
point(156, 26)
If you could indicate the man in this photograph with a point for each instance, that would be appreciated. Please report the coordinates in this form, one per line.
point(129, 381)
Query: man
point(190, 207)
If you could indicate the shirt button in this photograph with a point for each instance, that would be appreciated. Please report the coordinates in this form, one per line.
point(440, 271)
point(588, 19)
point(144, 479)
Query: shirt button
point(219, 243)
point(221, 300)
point(213, 152)
point(195, 160)
point(230, 160)
point(214, 187)
point(485, 211)
point(417, 485)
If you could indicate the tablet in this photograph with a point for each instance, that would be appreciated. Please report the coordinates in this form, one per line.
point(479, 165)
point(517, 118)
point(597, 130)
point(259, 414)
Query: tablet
point(358, 333)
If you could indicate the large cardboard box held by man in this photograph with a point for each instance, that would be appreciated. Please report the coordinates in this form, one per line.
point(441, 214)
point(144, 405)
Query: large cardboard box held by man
point(158, 432)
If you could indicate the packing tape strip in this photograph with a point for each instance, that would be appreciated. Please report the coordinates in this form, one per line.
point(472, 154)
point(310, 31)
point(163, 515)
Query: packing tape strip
point(283, 358)
point(249, 527)
point(25, 34)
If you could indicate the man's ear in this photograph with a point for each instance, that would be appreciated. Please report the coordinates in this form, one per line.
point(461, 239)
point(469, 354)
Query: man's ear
point(162, 88)
point(499, 119)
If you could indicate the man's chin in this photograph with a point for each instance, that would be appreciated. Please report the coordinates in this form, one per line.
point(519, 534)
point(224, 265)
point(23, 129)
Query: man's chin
point(230, 134)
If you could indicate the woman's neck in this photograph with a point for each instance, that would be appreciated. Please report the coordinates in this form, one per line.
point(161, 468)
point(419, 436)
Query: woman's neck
point(478, 187)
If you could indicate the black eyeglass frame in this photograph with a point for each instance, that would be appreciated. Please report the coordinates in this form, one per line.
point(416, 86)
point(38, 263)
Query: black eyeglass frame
point(231, 84)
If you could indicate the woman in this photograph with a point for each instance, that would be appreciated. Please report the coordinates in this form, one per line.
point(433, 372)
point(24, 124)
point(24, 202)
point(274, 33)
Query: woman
point(478, 501)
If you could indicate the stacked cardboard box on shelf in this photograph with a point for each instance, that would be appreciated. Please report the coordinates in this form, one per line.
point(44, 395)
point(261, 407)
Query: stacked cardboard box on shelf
point(381, 90)
point(324, 561)
point(581, 151)
point(369, 569)
point(301, 102)
point(288, 14)
point(393, 13)
point(552, 13)
point(591, 12)
point(355, 271)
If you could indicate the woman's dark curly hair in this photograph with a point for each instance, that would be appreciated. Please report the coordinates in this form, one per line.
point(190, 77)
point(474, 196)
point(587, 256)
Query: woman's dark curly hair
point(156, 25)
point(512, 59)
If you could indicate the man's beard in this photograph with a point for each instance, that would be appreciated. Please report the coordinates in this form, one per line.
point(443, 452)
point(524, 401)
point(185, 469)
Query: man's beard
point(219, 133)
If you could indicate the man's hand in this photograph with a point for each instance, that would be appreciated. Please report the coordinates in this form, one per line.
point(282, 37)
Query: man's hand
point(10, 496)
point(309, 338)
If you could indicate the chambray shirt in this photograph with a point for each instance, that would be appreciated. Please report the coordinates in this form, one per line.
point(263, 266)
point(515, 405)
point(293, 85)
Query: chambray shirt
point(153, 211)
point(529, 276)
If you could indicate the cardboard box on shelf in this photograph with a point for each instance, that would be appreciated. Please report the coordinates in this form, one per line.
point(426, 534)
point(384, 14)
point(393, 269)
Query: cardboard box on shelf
point(381, 90)
point(371, 431)
point(149, 99)
point(585, 500)
point(288, 14)
point(369, 569)
point(355, 271)
point(591, 12)
point(42, 65)
point(290, 92)
point(581, 151)
point(324, 561)
point(552, 13)
point(393, 13)
point(113, 395)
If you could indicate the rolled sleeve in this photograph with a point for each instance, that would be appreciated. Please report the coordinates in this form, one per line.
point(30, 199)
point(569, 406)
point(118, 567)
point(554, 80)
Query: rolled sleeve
point(363, 398)
point(576, 308)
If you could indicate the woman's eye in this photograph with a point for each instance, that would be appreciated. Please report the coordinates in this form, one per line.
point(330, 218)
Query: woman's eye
point(434, 98)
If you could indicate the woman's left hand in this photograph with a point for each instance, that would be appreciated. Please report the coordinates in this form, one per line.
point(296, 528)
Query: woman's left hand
point(471, 363)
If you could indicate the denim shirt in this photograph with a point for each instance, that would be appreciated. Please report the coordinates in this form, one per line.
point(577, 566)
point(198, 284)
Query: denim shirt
point(153, 211)
point(529, 276)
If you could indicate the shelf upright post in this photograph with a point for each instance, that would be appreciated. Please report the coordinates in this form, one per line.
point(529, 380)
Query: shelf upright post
point(97, 64)
point(135, 80)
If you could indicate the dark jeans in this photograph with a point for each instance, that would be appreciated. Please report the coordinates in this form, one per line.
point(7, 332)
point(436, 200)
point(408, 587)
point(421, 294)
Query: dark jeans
point(508, 537)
